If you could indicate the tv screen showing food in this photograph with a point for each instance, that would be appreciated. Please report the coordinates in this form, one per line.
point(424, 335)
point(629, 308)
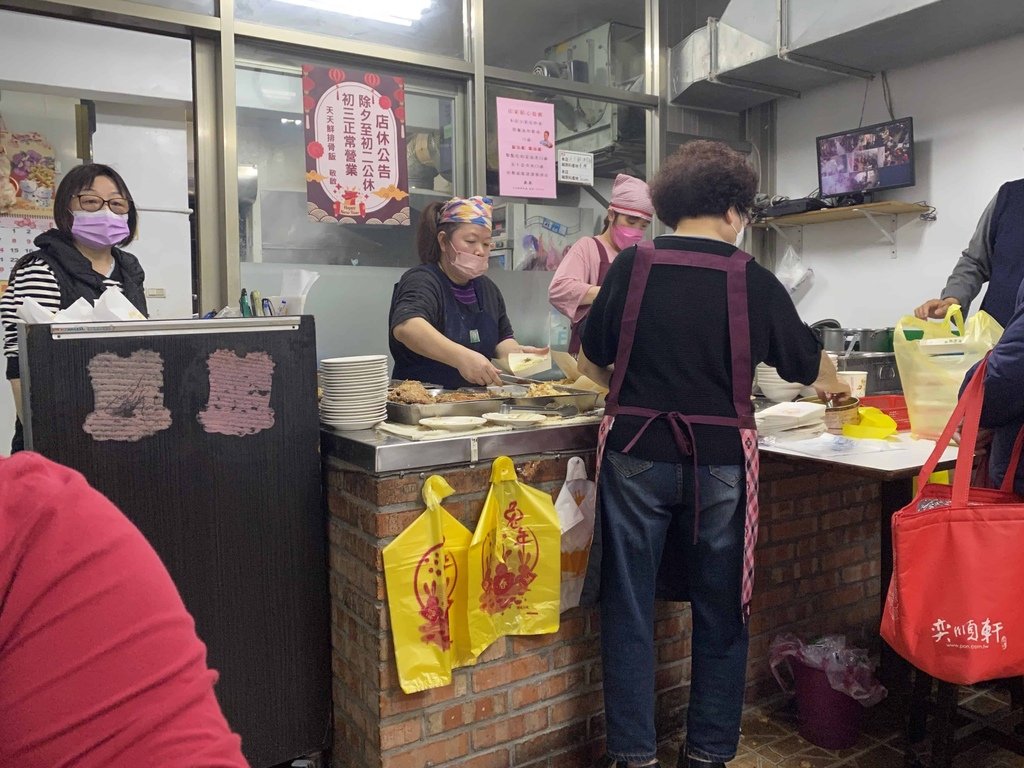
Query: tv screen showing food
point(867, 159)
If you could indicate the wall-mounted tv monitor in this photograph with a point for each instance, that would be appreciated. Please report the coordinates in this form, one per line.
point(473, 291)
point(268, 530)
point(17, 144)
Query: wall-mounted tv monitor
point(867, 159)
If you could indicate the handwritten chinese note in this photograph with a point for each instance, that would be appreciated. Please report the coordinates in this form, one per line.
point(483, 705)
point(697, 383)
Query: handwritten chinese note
point(526, 148)
point(355, 147)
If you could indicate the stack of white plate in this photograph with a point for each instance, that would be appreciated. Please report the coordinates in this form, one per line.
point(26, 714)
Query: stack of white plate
point(355, 391)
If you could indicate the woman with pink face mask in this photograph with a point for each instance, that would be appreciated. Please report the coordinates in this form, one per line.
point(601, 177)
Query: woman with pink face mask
point(582, 271)
point(447, 318)
point(80, 258)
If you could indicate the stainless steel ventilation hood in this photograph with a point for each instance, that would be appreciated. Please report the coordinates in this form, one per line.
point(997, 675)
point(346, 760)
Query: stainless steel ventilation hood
point(756, 52)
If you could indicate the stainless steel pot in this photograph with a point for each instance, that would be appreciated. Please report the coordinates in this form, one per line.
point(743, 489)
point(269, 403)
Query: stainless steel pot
point(847, 340)
point(883, 375)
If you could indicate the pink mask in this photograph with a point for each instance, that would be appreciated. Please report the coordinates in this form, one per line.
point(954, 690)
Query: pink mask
point(99, 229)
point(623, 237)
point(468, 265)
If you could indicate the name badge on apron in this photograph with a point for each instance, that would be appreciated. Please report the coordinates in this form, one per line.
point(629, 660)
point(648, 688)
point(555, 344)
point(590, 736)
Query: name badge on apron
point(474, 336)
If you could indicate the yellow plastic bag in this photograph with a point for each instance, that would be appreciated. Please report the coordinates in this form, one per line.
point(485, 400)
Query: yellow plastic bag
point(933, 359)
point(514, 561)
point(426, 575)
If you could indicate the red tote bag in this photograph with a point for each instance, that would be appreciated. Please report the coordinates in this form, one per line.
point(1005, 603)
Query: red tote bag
point(954, 607)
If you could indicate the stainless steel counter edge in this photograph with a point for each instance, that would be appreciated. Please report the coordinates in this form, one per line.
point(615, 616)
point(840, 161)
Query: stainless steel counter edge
point(378, 454)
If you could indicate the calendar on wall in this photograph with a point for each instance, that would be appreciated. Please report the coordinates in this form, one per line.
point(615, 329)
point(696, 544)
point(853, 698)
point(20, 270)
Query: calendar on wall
point(17, 234)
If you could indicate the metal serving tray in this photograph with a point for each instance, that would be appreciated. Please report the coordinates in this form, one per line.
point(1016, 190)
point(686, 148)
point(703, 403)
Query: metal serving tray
point(406, 413)
point(584, 399)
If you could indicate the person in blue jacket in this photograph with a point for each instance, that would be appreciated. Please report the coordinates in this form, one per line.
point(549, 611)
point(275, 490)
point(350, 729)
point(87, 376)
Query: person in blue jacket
point(1003, 410)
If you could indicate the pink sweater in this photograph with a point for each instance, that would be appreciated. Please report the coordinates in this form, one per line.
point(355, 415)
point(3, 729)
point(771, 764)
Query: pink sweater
point(574, 277)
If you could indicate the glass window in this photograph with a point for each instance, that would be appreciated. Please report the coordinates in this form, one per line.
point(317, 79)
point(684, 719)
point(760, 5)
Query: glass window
point(205, 7)
point(431, 26)
point(598, 42)
point(280, 222)
point(615, 134)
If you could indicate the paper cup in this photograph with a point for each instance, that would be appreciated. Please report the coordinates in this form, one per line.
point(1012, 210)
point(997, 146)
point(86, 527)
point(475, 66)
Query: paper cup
point(858, 381)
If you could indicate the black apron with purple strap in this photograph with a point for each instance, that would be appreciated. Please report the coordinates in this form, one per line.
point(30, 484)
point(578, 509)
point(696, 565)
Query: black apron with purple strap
point(576, 328)
point(671, 578)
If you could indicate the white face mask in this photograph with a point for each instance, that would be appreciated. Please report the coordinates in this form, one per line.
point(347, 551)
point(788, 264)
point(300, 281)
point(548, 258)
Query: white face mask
point(739, 234)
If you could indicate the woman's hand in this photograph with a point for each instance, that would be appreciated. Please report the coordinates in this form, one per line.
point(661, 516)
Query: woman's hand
point(476, 368)
point(832, 390)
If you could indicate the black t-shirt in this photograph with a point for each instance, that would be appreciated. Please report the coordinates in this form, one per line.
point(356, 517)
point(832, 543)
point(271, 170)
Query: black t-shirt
point(419, 293)
point(681, 357)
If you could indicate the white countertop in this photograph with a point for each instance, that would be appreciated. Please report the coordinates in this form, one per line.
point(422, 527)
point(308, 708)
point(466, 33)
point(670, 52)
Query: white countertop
point(905, 461)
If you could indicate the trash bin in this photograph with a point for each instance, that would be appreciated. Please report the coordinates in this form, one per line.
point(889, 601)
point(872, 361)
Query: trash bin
point(832, 684)
point(828, 718)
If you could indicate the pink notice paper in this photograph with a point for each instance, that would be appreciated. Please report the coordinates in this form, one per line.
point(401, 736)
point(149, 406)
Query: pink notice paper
point(526, 148)
point(239, 401)
point(128, 396)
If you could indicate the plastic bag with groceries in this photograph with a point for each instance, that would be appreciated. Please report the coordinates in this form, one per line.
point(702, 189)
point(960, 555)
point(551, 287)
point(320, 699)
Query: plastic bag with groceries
point(933, 358)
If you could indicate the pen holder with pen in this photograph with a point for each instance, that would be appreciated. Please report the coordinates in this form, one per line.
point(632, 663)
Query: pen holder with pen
point(284, 305)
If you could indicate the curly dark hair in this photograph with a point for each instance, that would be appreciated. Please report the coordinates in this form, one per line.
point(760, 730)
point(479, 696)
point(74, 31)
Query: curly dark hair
point(703, 178)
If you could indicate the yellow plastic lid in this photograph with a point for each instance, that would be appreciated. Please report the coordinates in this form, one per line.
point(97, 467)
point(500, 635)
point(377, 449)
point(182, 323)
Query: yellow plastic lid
point(873, 424)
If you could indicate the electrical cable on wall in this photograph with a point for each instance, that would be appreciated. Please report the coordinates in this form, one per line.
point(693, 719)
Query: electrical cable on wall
point(887, 95)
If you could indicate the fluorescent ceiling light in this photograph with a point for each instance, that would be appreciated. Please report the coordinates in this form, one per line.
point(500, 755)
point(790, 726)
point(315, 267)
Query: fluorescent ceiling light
point(403, 12)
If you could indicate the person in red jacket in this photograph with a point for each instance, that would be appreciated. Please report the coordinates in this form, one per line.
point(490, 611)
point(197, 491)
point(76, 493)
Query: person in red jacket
point(100, 664)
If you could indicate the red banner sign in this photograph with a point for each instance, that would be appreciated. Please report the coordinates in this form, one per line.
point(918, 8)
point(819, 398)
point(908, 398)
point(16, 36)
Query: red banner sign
point(355, 146)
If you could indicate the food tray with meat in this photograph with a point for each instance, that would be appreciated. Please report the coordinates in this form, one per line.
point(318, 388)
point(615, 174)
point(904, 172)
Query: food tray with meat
point(410, 401)
point(541, 393)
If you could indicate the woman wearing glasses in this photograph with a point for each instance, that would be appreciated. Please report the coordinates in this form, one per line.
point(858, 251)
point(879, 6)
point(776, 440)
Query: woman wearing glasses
point(81, 258)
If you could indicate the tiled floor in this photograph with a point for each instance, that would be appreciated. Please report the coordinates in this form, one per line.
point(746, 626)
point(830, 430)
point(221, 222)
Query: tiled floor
point(770, 739)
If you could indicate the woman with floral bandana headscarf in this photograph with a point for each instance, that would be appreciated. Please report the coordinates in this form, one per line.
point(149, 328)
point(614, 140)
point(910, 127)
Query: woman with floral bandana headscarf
point(447, 318)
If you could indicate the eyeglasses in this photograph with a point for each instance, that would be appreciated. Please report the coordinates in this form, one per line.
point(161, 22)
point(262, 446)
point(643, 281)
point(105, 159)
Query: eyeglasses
point(93, 203)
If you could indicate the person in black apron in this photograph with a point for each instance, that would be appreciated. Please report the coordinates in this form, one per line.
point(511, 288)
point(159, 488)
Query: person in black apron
point(580, 275)
point(676, 332)
point(447, 319)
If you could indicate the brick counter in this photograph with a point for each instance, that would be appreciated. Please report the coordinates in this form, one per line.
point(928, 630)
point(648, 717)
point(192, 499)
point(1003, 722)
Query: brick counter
point(536, 701)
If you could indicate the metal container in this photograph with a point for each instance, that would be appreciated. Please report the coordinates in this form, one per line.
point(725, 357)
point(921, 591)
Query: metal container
point(584, 399)
point(410, 413)
point(844, 412)
point(883, 375)
point(847, 340)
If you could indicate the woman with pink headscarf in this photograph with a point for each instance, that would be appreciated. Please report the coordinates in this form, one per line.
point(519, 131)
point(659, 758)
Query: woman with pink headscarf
point(581, 273)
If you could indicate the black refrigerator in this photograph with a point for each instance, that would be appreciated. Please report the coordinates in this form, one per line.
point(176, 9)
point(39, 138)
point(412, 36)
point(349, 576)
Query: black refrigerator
point(206, 434)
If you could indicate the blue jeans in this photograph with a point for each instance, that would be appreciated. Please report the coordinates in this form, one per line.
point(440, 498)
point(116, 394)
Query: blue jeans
point(638, 500)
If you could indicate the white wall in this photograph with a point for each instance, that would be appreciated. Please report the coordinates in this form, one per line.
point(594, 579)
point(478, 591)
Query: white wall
point(149, 147)
point(87, 61)
point(968, 112)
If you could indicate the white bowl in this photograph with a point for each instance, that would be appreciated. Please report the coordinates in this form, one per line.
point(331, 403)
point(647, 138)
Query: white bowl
point(780, 392)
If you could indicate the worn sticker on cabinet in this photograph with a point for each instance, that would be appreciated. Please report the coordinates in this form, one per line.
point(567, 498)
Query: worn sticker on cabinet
point(128, 396)
point(240, 387)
